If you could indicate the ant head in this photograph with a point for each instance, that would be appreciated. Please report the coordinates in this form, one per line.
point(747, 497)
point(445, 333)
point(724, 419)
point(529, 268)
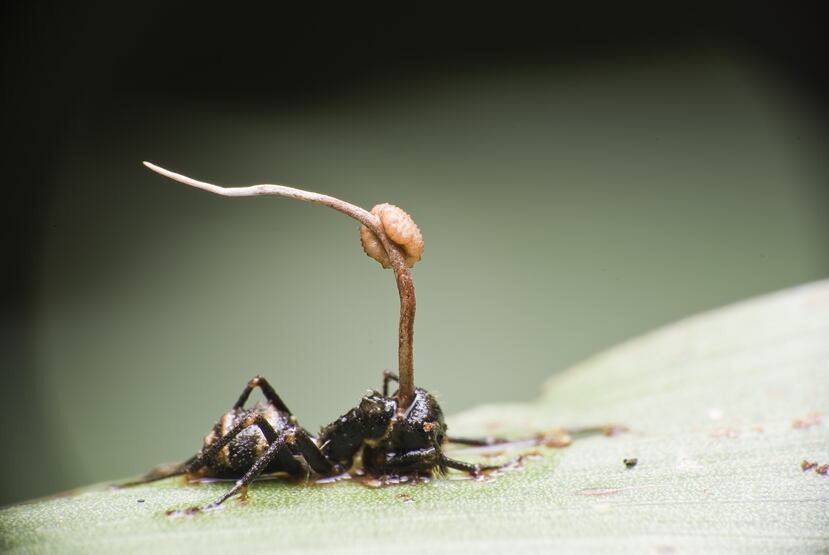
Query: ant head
point(377, 413)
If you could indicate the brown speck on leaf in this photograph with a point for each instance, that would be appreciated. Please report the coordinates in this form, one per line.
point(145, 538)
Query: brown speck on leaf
point(405, 498)
point(614, 429)
point(806, 465)
point(811, 419)
point(729, 433)
point(630, 463)
point(243, 495)
point(822, 469)
point(599, 491)
point(555, 440)
point(515, 464)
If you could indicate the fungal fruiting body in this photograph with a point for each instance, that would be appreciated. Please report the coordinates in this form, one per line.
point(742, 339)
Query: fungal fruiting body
point(400, 228)
point(389, 235)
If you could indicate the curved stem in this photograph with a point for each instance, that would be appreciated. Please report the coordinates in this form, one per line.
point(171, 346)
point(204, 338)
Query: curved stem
point(405, 285)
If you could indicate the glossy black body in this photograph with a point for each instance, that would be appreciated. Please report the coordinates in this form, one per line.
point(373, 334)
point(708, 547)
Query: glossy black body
point(387, 443)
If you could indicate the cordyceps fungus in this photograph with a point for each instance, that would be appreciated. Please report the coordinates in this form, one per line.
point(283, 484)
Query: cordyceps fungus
point(388, 438)
point(388, 234)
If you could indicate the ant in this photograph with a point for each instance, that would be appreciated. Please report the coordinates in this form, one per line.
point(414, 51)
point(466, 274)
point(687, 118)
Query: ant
point(267, 438)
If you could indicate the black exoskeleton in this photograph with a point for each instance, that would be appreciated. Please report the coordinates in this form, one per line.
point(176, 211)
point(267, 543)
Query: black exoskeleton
point(244, 443)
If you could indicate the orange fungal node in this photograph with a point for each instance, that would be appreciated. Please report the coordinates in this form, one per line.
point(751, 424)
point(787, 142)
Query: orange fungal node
point(400, 228)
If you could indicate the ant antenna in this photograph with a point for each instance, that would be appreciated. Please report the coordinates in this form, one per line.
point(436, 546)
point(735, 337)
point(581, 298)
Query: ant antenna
point(395, 252)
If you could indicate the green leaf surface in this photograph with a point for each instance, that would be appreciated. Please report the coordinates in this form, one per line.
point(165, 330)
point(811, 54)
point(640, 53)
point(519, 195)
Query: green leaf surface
point(722, 408)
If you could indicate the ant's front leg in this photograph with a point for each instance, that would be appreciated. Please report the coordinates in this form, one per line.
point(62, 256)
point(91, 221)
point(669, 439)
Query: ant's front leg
point(469, 468)
point(428, 459)
point(387, 377)
point(478, 441)
point(552, 438)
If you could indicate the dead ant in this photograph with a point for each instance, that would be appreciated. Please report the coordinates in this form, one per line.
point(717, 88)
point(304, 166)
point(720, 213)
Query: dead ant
point(267, 438)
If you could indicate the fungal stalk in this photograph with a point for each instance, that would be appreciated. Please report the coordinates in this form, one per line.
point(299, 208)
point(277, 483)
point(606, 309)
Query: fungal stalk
point(388, 234)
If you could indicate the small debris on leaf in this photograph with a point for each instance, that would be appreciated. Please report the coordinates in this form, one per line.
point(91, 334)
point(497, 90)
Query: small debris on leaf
point(599, 491)
point(822, 469)
point(630, 463)
point(729, 433)
point(806, 465)
point(614, 430)
point(811, 419)
point(555, 439)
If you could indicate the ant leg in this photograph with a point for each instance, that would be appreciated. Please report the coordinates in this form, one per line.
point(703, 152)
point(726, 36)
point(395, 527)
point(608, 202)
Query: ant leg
point(478, 441)
point(388, 376)
point(252, 419)
point(258, 467)
point(297, 441)
point(199, 460)
point(429, 458)
point(424, 459)
point(267, 390)
point(159, 472)
point(541, 437)
point(305, 446)
point(469, 468)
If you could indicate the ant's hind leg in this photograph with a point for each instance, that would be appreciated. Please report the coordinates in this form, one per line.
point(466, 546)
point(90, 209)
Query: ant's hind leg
point(274, 449)
point(295, 441)
point(159, 472)
point(207, 454)
point(199, 460)
point(267, 390)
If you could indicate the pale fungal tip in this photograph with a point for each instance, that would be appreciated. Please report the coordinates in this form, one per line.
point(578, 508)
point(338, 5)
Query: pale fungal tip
point(400, 228)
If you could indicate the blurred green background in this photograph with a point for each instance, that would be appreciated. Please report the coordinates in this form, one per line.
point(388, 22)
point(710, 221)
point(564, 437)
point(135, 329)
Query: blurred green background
point(567, 204)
